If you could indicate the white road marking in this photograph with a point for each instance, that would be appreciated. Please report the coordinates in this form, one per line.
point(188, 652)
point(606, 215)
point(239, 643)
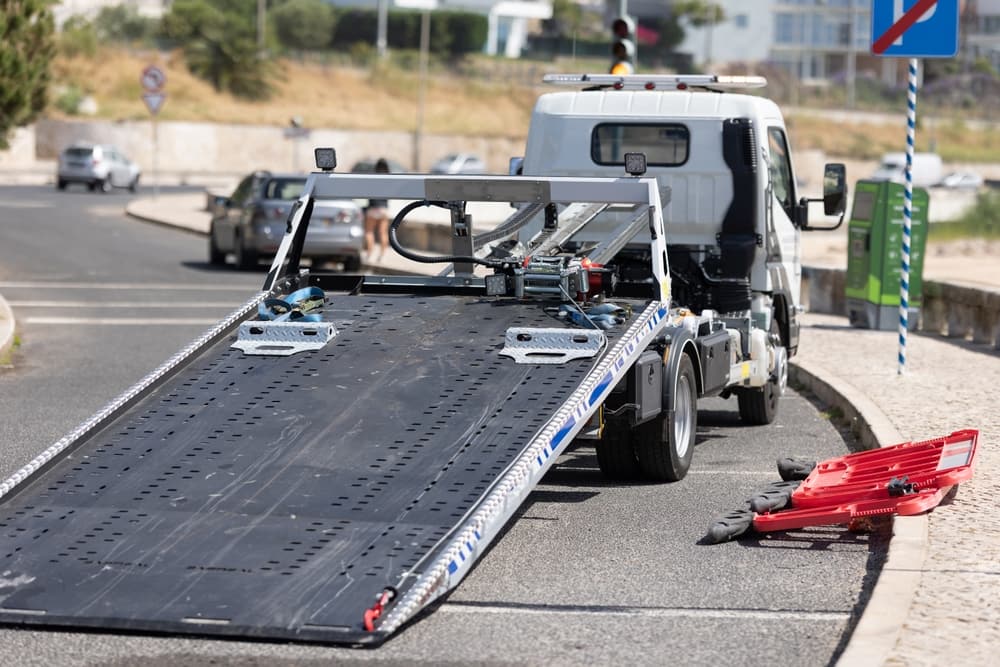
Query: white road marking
point(753, 473)
point(25, 203)
point(647, 612)
point(200, 287)
point(124, 304)
point(122, 321)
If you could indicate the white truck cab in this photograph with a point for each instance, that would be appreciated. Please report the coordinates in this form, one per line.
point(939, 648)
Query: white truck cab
point(734, 214)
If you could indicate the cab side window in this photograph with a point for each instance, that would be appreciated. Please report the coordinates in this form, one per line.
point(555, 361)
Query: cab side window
point(781, 170)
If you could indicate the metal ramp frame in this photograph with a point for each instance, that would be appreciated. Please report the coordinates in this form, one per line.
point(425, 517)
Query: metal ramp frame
point(274, 497)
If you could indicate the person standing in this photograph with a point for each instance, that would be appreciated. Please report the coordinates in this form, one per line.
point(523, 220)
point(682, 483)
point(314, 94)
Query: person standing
point(377, 219)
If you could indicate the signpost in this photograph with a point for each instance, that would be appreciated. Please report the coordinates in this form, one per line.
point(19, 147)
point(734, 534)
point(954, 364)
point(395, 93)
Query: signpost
point(153, 81)
point(296, 132)
point(912, 29)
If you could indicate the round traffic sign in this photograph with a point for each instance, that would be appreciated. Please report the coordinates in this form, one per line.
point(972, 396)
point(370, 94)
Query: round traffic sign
point(153, 79)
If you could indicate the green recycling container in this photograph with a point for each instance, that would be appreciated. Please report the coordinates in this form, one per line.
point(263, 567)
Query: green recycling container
point(874, 248)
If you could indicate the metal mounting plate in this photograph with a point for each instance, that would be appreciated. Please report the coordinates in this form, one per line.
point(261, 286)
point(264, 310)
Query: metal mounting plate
point(527, 345)
point(283, 339)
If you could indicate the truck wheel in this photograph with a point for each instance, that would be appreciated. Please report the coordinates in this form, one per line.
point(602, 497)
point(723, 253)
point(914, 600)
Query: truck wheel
point(616, 453)
point(246, 258)
point(759, 405)
point(665, 445)
point(215, 256)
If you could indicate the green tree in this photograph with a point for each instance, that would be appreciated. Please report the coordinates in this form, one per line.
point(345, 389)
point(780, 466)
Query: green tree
point(701, 14)
point(26, 49)
point(219, 40)
point(567, 19)
point(78, 37)
point(122, 23)
point(303, 24)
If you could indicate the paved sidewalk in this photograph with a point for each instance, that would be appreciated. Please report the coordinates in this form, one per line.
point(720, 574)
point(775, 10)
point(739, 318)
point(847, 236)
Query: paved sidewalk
point(937, 600)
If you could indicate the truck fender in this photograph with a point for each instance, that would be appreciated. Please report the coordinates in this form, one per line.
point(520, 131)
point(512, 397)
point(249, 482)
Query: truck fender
point(679, 341)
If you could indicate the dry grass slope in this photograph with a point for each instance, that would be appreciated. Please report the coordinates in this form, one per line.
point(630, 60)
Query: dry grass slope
point(386, 98)
point(334, 97)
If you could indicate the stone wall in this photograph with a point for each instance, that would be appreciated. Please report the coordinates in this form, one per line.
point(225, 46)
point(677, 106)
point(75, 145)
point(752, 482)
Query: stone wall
point(216, 148)
point(955, 311)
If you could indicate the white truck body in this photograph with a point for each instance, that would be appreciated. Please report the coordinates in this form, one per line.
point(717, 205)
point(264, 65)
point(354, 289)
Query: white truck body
point(710, 197)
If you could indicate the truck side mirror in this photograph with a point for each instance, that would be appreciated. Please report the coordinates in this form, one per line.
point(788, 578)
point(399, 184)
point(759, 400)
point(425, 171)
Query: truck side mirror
point(834, 189)
point(834, 198)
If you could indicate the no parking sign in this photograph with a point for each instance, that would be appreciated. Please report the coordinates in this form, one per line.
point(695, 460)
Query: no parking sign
point(912, 29)
point(915, 28)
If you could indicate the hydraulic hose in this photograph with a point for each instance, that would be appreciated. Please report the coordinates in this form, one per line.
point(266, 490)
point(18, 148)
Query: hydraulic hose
point(428, 259)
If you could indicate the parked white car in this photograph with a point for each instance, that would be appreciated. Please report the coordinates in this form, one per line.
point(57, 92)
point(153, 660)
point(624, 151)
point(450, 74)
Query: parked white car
point(98, 166)
point(962, 179)
point(459, 163)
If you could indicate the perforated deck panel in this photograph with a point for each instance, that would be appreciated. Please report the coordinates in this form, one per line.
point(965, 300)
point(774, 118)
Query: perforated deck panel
point(277, 497)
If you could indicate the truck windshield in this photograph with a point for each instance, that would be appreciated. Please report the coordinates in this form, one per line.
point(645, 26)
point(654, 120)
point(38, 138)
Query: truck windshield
point(664, 144)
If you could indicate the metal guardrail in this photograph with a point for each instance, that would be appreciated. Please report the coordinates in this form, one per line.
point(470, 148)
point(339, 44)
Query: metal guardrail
point(955, 311)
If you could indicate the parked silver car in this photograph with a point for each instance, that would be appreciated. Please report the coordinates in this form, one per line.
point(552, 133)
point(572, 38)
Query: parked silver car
point(251, 222)
point(459, 163)
point(98, 166)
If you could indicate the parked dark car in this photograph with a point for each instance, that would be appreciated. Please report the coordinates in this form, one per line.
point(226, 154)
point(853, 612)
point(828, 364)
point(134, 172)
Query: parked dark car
point(251, 222)
point(98, 166)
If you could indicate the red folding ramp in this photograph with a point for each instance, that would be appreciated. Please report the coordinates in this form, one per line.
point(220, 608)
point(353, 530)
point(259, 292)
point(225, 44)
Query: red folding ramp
point(906, 479)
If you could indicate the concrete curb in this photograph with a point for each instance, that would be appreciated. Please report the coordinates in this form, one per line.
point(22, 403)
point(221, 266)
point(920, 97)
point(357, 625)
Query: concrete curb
point(881, 623)
point(7, 325)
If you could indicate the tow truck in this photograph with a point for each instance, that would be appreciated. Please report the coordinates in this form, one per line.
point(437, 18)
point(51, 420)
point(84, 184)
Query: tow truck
point(336, 453)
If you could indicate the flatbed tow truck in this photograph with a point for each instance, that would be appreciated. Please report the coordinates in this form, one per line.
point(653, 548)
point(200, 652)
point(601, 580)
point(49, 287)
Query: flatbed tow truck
point(334, 455)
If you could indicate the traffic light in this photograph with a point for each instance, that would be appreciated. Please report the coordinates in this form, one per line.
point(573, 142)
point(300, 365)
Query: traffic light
point(623, 45)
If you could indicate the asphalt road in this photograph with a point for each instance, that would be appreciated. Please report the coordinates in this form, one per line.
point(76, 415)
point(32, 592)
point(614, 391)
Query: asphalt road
point(591, 571)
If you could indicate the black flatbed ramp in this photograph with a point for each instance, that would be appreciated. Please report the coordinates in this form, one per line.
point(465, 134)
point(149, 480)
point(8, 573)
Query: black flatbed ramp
point(276, 497)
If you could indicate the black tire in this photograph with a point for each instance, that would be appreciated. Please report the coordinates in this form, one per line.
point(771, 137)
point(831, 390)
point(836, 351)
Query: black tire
point(665, 445)
point(134, 185)
point(215, 256)
point(246, 258)
point(759, 405)
point(616, 452)
point(60, 184)
point(92, 186)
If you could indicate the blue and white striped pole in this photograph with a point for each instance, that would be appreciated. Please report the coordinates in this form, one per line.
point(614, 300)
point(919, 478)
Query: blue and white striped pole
point(904, 274)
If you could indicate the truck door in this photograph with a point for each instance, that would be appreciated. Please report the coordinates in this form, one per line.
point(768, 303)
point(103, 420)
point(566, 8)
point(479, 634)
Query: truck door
point(784, 261)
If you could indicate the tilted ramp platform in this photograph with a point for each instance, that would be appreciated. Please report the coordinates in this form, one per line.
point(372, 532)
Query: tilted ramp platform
point(277, 497)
